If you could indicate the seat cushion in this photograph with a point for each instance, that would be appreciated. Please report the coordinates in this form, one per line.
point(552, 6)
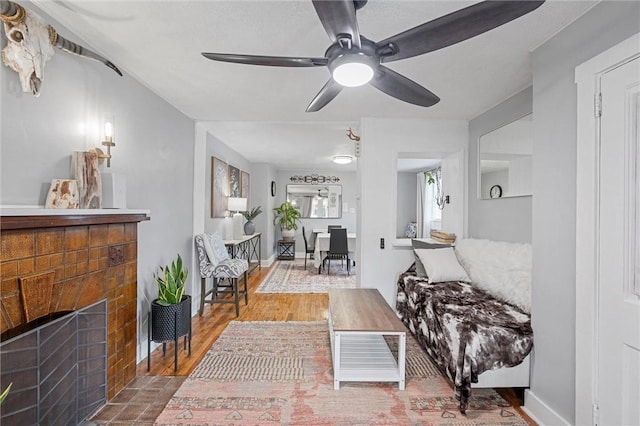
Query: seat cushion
point(230, 268)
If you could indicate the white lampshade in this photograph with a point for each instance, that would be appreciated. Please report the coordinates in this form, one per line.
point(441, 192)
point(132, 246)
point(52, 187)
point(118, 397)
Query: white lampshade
point(237, 204)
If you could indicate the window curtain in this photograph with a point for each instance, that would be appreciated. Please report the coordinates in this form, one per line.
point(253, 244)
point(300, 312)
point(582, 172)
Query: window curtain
point(429, 217)
point(421, 210)
point(307, 204)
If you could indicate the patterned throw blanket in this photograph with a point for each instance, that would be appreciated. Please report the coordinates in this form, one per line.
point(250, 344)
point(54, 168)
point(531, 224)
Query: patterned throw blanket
point(464, 329)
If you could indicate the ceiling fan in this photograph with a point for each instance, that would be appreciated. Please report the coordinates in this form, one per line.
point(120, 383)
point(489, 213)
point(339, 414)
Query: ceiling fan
point(355, 60)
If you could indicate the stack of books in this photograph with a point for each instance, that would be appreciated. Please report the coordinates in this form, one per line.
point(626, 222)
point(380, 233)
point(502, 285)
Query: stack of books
point(443, 237)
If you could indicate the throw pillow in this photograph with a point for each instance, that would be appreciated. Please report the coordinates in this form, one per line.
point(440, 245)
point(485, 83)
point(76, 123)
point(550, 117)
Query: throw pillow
point(207, 247)
point(500, 268)
point(417, 244)
point(219, 250)
point(442, 265)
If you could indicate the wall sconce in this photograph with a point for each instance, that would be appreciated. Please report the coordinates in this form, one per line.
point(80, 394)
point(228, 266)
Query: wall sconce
point(238, 205)
point(109, 127)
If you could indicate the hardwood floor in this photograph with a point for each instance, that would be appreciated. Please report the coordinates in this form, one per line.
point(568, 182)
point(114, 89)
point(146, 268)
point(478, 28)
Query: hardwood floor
point(207, 328)
point(262, 307)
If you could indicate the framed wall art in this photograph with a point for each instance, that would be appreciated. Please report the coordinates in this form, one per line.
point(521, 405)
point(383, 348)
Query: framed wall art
point(234, 182)
point(219, 187)
point(245, 187)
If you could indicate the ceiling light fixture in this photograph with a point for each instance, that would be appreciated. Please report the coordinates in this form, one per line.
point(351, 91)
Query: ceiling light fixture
point(353, 74)
point(342, 159)
point(352, 69)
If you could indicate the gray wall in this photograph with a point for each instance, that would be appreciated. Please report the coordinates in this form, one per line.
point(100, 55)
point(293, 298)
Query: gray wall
point(263, 175)
point(502, 219)
point(406, 201)
point(554, 188)
point(154, 150)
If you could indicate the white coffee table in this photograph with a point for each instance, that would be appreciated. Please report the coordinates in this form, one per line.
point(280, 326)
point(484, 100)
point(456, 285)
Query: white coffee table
point(359, 319)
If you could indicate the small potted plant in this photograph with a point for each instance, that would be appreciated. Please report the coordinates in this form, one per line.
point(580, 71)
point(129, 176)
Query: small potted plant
point(287, 217)
point(249, 226)
point(171, 311)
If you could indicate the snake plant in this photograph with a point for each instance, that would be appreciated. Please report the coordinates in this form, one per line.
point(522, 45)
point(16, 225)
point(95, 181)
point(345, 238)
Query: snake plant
point(171, 282)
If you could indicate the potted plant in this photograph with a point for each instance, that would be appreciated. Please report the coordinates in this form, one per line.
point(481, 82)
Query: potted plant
point(286, 217)
point(249, 227)
point(171, 311)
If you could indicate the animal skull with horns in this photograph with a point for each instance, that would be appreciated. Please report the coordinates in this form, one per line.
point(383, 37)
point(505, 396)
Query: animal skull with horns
point(30, 45)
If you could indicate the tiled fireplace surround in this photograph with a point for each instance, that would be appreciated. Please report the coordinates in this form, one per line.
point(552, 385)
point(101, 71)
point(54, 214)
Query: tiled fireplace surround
point(92, 257)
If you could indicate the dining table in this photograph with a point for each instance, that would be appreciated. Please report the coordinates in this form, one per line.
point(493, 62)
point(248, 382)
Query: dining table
point(322, 247)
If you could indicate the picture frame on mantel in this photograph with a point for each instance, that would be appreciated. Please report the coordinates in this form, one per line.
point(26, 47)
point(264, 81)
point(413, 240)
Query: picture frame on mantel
point(219, 187)
point(245, 187)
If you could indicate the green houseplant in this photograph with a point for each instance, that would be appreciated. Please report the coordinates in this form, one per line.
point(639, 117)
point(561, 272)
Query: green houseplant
point(171, 283)
point(287, 217)
point(249, 226)
point(171, 311)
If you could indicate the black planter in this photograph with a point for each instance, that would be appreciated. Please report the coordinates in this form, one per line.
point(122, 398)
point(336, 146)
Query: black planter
point(169, 323)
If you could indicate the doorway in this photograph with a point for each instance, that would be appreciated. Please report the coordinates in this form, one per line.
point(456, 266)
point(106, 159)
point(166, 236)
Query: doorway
point(608, 238)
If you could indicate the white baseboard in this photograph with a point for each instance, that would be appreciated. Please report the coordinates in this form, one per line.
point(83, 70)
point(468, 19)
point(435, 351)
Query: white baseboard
point(540, 412)
point(265, 263)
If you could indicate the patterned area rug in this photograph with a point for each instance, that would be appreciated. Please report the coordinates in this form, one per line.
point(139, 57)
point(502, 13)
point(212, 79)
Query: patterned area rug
point(289, 276)
point(279, 373)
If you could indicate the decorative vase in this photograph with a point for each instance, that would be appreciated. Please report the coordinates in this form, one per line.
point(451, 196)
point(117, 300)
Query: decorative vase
point(288, 234)
point(249, 228)
point(168, 323)
point(412, 230)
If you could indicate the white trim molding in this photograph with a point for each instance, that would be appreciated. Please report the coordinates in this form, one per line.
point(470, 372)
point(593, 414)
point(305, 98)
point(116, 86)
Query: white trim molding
point(587, 78)
point(540, 412)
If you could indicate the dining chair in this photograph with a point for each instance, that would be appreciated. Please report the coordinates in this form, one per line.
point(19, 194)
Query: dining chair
point(308, 248)
point(330, 227)
point(338, 249)
point(215, 263)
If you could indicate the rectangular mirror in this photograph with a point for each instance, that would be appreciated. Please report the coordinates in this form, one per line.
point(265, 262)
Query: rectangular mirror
point(504, 157)
point(316, 201)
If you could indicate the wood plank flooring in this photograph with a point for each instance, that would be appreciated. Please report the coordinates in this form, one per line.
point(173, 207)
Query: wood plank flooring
point(262, 307)
point(207, 328)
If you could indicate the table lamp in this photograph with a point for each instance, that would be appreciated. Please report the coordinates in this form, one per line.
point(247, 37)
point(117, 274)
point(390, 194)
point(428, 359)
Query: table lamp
point(238, 205)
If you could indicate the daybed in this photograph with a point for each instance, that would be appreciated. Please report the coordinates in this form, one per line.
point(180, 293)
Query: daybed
point(469, 308)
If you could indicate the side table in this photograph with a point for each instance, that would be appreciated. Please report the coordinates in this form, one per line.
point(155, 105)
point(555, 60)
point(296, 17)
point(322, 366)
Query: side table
point(286, 249)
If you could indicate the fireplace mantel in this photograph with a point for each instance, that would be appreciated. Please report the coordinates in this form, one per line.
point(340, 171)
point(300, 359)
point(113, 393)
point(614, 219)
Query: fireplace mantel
point(38, 217)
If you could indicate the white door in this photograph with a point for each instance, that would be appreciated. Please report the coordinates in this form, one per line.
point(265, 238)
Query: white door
point(618, 293)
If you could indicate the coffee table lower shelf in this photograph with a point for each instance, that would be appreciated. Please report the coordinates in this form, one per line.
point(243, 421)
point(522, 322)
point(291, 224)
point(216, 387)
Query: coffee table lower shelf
point(366, 357)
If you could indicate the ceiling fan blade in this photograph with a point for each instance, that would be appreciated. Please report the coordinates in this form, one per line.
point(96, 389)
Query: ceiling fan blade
point(329, 91)
point(272, 61)
point(338, 18)
point(400, 87)
point(453, 28)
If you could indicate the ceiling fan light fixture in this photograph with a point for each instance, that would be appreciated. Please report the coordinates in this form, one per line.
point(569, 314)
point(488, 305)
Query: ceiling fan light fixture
point(342, 159)
point(353, 74)
point(351, 69)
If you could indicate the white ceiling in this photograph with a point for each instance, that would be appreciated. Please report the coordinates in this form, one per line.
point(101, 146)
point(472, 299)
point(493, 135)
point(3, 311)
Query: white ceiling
point(159, 43)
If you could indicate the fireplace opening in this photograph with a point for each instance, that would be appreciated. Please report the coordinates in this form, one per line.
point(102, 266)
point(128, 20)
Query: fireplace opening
point(58, 368)
point(27, 327)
